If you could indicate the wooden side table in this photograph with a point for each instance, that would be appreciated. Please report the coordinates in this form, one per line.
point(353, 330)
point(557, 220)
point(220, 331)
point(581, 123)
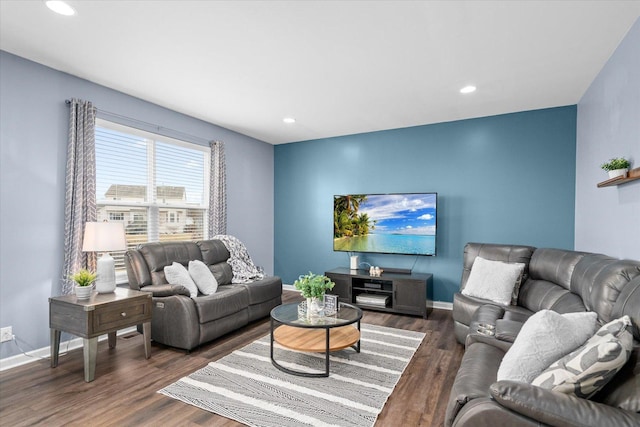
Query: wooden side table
point(101, 314)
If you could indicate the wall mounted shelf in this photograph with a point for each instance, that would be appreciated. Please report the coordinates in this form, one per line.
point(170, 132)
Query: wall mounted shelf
point(632, 175)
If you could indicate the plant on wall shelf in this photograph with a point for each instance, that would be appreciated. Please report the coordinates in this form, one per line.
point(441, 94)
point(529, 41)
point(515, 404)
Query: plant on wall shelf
point(615, 164)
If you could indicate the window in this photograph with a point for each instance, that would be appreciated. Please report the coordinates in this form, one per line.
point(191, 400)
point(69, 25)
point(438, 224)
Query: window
point(157, 186)
point(116, 216)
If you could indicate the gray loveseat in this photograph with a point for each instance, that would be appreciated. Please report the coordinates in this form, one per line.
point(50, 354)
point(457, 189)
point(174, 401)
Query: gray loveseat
point(180, 321)
point(559, 280)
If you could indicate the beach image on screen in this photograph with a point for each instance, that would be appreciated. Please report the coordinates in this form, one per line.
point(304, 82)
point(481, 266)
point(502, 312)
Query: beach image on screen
point(385, 223)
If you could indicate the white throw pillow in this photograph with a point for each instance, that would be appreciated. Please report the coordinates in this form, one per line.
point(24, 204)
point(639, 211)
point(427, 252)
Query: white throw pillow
point(589, 368)
point(544, 338)
point(203, 277)
point(176, 274)
point(493, 280)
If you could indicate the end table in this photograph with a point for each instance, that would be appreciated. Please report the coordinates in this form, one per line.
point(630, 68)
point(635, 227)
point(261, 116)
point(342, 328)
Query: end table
point(100, 314)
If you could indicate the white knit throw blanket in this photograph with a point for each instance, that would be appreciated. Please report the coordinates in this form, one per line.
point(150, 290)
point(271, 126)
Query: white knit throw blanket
point(244, 270)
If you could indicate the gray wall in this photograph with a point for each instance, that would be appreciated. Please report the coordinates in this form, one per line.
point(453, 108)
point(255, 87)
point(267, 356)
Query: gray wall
point(608, 125)
point(33, 136)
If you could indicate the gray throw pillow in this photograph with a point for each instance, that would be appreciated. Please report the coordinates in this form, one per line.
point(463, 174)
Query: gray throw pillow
point(203, 277)
point(544, 338)
point(586, 370)
point(177, 274)
point(493, 280)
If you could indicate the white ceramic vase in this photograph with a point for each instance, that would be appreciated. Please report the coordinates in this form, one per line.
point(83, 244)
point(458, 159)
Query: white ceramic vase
point(315, 307)
point(617, 172)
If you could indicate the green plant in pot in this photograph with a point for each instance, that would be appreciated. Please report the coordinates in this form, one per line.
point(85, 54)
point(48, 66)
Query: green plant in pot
point(84, 279)
point(616, 167)
point(313, 287)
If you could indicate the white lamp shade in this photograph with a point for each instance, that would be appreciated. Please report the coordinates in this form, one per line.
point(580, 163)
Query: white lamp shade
point(104, 237)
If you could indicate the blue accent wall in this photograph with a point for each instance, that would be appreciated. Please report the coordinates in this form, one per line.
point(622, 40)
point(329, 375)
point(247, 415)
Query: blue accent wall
point(499, 179)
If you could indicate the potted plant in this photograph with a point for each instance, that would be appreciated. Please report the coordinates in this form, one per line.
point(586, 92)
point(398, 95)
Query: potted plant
point(313, 287)
point(84, 279)
point(618, 166)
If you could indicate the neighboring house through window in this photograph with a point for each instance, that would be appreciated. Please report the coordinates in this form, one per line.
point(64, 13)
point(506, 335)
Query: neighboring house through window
point(158, 187)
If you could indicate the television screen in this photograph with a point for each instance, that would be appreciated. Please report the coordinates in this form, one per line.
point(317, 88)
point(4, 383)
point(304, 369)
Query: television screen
point(402, 223)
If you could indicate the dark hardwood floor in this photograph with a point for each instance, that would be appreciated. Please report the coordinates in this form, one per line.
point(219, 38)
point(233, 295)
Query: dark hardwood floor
point(124, 392)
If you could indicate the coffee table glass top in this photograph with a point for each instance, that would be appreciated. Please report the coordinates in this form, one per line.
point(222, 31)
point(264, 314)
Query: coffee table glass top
point(288, 314)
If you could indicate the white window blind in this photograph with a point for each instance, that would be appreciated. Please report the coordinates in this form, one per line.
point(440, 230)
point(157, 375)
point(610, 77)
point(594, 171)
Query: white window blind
point(156, 186)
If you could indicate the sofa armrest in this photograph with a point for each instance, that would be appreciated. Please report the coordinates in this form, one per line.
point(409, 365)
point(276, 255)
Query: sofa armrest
point(166, 290)
point(558, 409)
point(507, 330)
point(487, 339)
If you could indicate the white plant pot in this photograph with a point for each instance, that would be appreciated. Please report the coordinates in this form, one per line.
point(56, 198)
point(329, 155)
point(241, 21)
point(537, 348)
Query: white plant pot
point(83, 292)
point(315, 307)
point(618, 172)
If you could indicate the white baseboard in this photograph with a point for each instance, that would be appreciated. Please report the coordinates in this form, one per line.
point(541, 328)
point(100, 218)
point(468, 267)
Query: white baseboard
point(441, 305)
point(45, 352)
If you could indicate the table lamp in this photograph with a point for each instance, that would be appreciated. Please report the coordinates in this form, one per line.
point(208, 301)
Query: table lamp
point(104, 237)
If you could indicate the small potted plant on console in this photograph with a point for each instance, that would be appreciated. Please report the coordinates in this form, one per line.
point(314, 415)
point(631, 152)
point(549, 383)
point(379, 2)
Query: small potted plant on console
point(84, 279)
point(618, 166)
point(313, 288)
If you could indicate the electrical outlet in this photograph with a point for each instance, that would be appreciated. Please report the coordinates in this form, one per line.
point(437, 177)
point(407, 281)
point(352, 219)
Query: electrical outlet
point(6, 334)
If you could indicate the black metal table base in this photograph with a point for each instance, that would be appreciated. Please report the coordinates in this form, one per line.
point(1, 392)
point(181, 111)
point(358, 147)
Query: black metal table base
point(324, 374)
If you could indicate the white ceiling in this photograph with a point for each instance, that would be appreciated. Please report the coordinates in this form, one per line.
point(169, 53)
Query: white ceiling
point(338, 67)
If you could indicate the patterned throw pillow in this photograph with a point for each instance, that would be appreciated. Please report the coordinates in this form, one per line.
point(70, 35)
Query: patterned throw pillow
point(493, 280)
point(586, 370)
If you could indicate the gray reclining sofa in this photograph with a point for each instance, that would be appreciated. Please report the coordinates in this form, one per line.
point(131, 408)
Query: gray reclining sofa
point(563, 281)
point(183, 322)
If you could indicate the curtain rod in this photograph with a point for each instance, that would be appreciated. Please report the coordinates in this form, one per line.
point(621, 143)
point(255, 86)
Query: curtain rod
point(172, 132)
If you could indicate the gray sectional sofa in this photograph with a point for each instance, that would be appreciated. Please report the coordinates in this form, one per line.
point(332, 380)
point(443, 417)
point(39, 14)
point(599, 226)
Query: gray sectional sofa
point(184, 322)
point(562, 281)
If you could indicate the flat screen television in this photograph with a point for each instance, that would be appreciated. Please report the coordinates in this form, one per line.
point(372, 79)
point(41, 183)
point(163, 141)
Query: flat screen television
point(400, 223)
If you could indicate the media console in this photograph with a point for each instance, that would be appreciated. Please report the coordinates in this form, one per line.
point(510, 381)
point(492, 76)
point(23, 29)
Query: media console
point(390, 292)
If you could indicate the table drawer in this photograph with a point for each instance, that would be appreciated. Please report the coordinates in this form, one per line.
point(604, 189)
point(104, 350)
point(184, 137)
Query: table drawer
point(112, 317)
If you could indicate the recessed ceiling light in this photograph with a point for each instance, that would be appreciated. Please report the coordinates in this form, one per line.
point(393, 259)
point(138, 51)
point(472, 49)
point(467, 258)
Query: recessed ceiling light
point(60, 7)
point(468, 89)
point(289, 120)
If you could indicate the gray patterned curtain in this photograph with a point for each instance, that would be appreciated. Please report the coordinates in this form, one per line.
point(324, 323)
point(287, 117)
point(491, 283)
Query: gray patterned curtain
point(217, 190)
point(80, 197)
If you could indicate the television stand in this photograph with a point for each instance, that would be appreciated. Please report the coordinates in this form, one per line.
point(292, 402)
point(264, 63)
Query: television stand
point(391, 292)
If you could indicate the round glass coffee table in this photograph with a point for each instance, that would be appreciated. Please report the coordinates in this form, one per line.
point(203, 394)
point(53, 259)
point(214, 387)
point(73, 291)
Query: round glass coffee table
point(315, 335)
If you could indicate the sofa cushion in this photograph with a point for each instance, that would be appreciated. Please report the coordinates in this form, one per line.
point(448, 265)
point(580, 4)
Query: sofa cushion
point(586, 370)
point(493, 280)
point(222, 272)
point(495, 252)
point(263, 290)
point(203, 277)
point(544, 338)
point(536, 295)
point(227, 300)
point(158, 255)
point(623, 391)
point(554, 265)
point(177, 274)
point(213, 251)
point(477, 372)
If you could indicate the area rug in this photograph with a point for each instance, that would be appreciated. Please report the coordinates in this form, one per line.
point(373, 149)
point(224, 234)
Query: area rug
point(247, 388)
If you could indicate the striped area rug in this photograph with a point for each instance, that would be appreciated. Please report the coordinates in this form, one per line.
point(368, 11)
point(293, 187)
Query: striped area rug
point(246, 387)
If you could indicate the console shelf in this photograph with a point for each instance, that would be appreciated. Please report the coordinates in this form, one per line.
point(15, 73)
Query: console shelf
point(391, 292)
